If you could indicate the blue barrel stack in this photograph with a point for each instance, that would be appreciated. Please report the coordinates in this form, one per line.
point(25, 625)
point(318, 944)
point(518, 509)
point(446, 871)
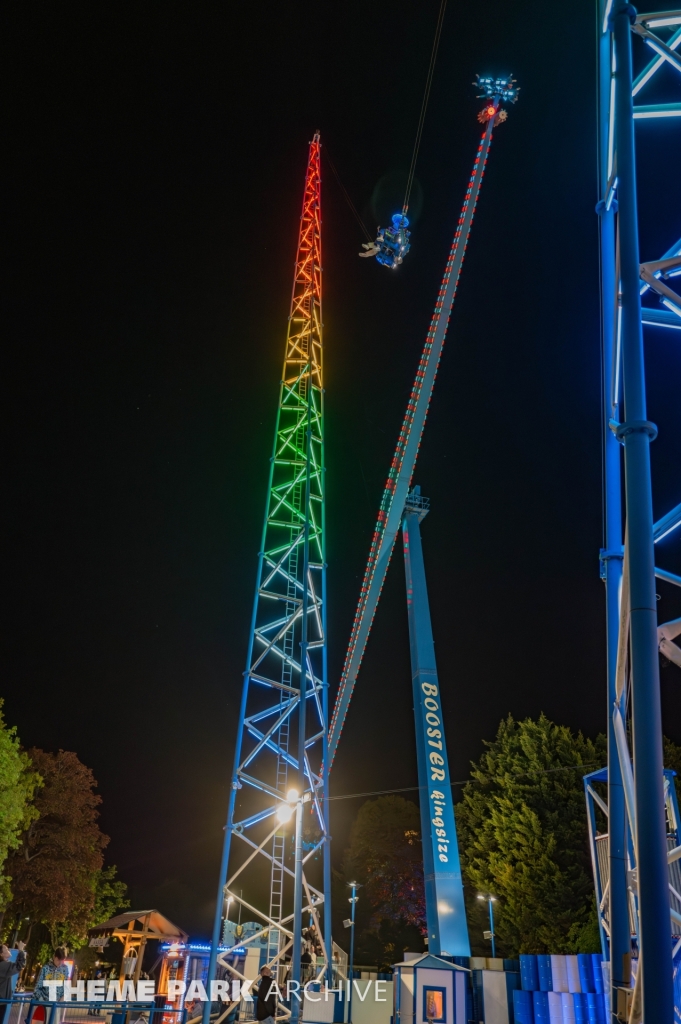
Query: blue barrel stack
point(560, 990)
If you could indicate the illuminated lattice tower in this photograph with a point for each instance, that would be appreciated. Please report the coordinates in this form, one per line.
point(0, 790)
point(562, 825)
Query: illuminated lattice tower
point(281, 741)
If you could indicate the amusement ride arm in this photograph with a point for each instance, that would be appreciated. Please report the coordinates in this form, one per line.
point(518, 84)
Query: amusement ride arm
point(404, 460)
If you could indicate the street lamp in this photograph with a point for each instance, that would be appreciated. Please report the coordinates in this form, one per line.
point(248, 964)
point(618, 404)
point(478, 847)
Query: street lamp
point(490, 933)
point(228, 902)
point(351, 924)
point(285, 811)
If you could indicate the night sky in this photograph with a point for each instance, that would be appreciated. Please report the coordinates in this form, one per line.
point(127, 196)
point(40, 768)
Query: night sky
point(156, 158)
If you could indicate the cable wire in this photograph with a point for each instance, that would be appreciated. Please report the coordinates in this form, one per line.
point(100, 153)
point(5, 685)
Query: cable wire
point(424, 104)
point(464, 782)
point(419, 131)
point(347, 195)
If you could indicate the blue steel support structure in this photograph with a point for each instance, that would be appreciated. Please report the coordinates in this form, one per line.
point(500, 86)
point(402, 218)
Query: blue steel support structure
point(445, 910)
point(640, 835)
point(636, 433)
point(618, 948)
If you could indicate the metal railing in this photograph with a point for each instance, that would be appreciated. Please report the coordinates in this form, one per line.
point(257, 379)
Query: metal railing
point(23, 1008)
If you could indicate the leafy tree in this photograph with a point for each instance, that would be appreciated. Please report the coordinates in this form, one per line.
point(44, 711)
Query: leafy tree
point(385, 855)
point(110, 896)
point(18, 783)
point(57, 870)
point(523, 832)
point(384, 945)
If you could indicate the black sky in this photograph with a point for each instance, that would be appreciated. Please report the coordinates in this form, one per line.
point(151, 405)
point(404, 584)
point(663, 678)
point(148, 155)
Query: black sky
point(156, 161)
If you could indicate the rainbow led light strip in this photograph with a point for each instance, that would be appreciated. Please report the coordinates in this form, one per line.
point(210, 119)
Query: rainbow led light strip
point(289, 593)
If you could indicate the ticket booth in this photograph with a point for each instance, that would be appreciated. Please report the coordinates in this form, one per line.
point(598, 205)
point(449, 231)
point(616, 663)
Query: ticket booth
point(188, 962)
point(429, 990)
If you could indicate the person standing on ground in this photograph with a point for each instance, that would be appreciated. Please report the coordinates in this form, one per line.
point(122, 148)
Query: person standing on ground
point(54, 970)
point(7, 971)
point(305, 964)
point(266, 997)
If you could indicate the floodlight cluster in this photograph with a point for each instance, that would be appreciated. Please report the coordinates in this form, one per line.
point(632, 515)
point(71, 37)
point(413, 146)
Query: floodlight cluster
point(503, 88)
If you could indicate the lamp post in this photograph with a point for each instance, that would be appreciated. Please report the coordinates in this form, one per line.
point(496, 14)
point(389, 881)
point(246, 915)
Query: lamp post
point(490, 933)
point(352, 901)
point(294, 805)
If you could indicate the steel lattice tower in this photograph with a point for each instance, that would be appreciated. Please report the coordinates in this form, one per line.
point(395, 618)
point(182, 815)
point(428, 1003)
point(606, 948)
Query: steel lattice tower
point(635, 897)
point(281, 742)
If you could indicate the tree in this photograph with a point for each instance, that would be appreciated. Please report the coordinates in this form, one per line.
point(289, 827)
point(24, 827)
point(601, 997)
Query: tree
point(56, 871)
point(384, 945)
point(385, 857)
point(524, 839)
point(385, 854)
point(18, 783)
point(110, 896)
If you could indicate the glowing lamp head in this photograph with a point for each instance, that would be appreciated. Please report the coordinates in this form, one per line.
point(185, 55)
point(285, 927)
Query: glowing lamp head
point(284, 813)
point(491, 111)
point(292, 796)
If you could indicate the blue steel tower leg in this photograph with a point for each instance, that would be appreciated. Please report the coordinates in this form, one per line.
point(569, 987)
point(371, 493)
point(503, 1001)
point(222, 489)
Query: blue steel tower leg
point(612, 555)
point(636, 433)
point(445, 911)
point(227, 841)
point(328, 939)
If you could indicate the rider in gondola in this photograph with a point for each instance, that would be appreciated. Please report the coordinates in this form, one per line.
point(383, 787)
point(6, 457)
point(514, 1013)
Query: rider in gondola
point(392, 243)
